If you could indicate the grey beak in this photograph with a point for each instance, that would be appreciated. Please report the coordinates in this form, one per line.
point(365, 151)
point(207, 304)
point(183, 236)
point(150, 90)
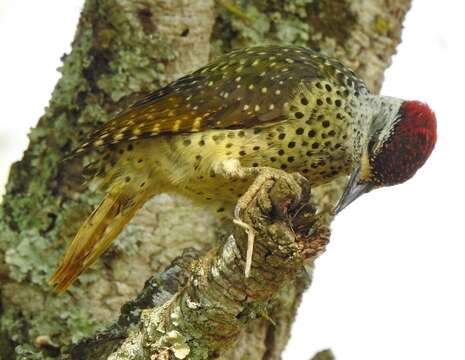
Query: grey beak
point(353, 190)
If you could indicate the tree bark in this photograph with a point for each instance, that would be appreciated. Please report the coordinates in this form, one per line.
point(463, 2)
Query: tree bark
point(123, 49)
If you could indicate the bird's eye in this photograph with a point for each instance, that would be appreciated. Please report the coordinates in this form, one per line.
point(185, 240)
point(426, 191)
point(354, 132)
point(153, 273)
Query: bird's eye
point(373, 141)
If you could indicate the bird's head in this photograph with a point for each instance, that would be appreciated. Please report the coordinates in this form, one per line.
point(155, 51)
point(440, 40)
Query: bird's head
point(395, 150)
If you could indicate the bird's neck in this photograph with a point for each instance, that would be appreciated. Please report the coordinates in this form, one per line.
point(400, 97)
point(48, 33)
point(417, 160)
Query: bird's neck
point(381, 109)
point(376, 114)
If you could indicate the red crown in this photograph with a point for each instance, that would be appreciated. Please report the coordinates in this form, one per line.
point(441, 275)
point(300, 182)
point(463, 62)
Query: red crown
point(411, 143)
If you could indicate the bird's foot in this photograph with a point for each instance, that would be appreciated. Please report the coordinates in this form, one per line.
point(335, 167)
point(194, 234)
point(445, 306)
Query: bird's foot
point(264, 174)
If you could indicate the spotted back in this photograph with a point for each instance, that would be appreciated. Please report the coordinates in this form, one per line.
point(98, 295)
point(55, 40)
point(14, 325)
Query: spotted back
point(245, 88)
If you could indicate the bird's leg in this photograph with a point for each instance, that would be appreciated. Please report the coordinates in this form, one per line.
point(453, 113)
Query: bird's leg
point(233, 168)
point(261, 174)
point(264, 174)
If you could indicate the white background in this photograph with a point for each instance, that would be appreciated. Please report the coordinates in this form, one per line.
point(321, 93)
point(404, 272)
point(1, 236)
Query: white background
point(391, 285)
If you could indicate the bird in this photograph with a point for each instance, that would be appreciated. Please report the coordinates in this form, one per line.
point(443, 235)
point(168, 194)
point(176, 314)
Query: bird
point(207, 136)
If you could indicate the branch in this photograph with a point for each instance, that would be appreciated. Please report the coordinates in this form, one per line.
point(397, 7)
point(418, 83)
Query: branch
point(210, 312)
point(324, 355)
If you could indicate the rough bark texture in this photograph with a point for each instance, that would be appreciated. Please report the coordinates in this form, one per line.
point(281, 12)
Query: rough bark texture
point(121, 49)
point(210, 311)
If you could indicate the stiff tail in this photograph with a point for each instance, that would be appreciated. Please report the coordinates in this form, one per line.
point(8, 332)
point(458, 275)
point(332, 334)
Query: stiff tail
point(95, 236)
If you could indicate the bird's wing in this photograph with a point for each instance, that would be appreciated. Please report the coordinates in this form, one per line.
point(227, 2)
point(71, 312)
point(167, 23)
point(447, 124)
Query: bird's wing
point(243, 89)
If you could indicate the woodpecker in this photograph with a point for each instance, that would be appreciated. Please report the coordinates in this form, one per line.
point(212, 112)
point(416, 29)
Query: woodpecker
point(207, 135)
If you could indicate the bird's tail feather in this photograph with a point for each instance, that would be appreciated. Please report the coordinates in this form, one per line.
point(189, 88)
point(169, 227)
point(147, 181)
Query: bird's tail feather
point(96, 234)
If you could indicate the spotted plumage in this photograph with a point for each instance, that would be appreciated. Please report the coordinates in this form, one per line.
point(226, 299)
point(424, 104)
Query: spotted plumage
point(288, 108)
point(243, 89)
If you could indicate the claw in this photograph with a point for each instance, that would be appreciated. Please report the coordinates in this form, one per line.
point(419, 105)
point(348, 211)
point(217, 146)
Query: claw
point(263, 174)
point(250, 242)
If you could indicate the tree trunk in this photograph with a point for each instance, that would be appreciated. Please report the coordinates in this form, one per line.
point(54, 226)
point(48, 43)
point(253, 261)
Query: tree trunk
point(123, 49)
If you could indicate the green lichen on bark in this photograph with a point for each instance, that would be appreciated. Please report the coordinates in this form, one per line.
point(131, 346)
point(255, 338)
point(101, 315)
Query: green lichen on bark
point(119, 51)
point(302, 22)
point(111, 59)
point(275, 21)
point(361, 34)
point(330, 19)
